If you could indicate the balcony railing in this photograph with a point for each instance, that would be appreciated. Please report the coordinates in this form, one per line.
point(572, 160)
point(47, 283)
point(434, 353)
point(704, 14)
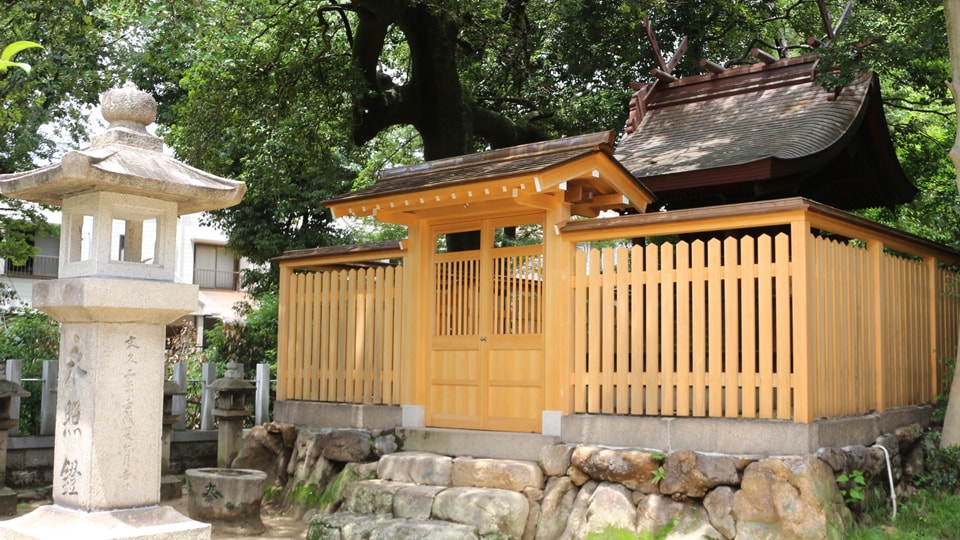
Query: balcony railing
point(39, 267)
point(215, 279)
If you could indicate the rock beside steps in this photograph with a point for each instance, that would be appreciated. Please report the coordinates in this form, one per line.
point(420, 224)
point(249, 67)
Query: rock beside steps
point(429, 496)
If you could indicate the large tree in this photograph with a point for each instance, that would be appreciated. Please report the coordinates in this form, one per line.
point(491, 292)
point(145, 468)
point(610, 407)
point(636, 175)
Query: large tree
point(43, 109)
point(304, 99)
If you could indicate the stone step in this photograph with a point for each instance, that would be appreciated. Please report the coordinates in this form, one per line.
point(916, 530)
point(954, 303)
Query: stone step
point(480, 444)
point(347, 526)
point(487, 510)
point(432, 469)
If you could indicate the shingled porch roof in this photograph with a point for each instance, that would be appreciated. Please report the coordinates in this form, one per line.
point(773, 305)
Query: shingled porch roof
point(579, 170)
point(760, 132)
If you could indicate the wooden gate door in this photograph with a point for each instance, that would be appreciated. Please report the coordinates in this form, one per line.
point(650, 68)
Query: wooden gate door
point(486, 365)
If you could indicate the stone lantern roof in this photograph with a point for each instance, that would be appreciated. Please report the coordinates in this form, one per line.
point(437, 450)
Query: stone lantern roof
point(126, 160)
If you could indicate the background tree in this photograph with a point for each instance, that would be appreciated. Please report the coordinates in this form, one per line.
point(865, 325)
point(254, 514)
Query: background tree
point(43, 108)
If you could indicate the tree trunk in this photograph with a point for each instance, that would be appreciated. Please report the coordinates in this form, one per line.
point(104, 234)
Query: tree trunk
point(951, 11)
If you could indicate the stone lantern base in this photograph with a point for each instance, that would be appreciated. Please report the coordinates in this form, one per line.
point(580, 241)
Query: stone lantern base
point(151, 523)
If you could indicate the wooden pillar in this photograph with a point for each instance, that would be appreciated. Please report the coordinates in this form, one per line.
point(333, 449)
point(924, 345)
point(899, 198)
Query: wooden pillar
point(558, 311)
point(804, 375)
point(416, 272)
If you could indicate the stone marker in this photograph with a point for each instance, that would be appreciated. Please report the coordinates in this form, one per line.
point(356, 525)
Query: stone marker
point(120, 198)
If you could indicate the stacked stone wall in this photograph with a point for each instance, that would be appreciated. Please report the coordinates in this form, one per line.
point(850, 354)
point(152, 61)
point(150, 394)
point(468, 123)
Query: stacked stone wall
point(572, 491)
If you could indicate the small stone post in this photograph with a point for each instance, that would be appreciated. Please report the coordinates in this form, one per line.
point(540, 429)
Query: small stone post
point(116, 292)
point(230, 413)
point(8, 391)
point(171, 487)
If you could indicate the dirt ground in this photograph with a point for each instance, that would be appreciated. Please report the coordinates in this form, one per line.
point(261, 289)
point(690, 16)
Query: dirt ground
point(278, 525)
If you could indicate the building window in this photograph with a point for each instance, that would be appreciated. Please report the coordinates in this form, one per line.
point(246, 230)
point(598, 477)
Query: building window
point(214, 267)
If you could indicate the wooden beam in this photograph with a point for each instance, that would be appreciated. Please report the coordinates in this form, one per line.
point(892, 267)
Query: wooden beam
point(825, 17)
point(763, 56)
point(662, 75)
point(648, 26)
point(677, 55)
point(544, 201)
point(577, 192)
point(610, 200)
point(712, 67)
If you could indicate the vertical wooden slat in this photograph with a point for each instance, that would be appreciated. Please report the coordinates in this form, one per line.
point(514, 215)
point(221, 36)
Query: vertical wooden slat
point(324, 393)
point(399, 341)
point(314, 329)
point(594, 333)
point(731, 330)
point(714, 329)
point(748, 327)
point(343, 333)
point(637, 337)
point(783, 326)
point(379, 330)
point(683, 329)
point(623, 332)
point(370, 331)
point(580, 322)
point(832, 303)
point(765, 323)
point(698, 329)
point(299, 360)
point(651, 378)
point(667, 316)
point(607, 326)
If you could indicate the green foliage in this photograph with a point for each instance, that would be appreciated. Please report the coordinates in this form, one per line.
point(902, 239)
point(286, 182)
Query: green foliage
point(941, 466)
point(612, 533)
point(616, 533)
point(851, 486)
point(11, 50)
point(306, 495)
point(658, 475)
point(30, 335)
point(921, 516)
point(250, 340)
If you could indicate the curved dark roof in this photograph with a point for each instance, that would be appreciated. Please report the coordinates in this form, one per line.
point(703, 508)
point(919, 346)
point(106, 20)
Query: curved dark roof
point(763, 132)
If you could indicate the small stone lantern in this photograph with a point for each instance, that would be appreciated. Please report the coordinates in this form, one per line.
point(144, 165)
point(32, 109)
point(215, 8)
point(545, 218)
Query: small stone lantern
point(230, 412)
point(171, 487)
point(116, 292)
point(8, 391)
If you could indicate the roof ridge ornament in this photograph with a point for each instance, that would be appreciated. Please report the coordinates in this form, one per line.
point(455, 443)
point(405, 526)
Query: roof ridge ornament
point(662, 73)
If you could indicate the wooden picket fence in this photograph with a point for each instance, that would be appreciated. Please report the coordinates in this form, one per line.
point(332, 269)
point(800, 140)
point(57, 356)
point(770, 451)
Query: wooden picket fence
point(776, 310)
point(342, 336)
point(711, 328)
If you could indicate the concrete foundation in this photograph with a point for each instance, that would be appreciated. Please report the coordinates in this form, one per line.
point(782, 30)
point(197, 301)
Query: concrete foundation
point(665, 434)
point(337, 415)
point(737, 436)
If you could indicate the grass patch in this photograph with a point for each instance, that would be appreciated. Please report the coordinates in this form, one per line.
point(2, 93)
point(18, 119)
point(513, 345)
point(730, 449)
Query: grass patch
point(923, 516)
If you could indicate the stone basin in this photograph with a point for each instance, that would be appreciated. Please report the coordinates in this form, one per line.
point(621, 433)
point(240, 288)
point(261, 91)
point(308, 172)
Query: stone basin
point(228, 499)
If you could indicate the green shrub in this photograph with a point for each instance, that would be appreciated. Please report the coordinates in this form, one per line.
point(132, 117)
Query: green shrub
point(941, 466)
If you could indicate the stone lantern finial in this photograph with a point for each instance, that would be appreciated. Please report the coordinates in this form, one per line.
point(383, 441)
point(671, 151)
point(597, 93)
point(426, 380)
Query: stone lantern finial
point(128, 107)
point(129, 111)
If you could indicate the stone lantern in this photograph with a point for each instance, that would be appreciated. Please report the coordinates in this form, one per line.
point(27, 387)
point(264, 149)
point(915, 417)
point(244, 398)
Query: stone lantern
point(230, 412)
point(120, 199)
point(8, 391)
